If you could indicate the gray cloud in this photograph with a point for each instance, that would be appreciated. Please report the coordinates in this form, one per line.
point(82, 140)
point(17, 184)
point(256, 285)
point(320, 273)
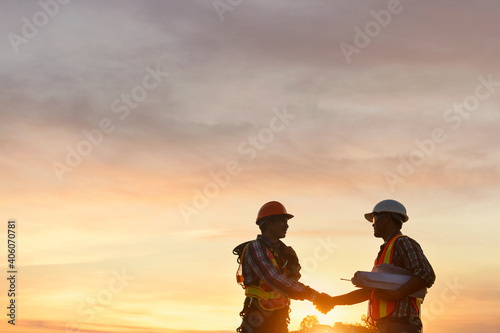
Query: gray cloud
point(227, 77)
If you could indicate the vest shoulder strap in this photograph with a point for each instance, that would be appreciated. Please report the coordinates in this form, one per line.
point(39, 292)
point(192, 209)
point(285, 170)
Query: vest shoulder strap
point(386, 255)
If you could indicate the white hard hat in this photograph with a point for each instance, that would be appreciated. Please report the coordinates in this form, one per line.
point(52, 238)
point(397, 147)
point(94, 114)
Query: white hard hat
point(389, 206)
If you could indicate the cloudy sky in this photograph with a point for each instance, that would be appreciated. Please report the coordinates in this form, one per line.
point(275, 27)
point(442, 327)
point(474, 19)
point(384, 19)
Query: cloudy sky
point(140, 138)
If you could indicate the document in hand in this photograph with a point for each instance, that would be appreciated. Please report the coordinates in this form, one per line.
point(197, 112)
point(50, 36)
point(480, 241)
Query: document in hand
point(385, 277)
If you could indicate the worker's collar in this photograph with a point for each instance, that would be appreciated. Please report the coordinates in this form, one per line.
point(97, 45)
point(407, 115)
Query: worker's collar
point(392, 236)
point(269, 242)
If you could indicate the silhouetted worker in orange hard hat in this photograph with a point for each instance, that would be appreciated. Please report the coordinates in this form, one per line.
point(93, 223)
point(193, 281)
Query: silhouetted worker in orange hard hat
point(393, 311)
point(269, 272)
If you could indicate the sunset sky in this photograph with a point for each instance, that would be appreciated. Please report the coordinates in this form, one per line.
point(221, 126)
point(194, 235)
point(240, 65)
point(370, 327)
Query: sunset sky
point(140, 138)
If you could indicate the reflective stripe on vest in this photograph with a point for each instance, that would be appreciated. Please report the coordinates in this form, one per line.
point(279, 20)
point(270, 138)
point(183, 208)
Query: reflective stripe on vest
point(254, 291)
point(268, 299)
point(379, 308)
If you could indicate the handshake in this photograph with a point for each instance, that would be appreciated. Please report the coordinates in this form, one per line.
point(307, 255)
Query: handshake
point(324, 303)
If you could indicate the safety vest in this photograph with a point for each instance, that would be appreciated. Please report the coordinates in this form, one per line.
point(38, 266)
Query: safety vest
point(378, 308)
point(268, 298)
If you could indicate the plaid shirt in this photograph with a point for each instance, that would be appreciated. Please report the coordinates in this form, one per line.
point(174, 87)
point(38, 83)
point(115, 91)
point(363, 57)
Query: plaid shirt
point(257, 266)
point(409, 255)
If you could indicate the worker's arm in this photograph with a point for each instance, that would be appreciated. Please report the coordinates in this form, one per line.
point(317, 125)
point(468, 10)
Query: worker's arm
point(413, 285)
point(410, 253)
point(354, 297)
point(262, 265)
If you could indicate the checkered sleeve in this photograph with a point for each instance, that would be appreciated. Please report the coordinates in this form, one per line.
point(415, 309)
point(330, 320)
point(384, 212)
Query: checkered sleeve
point(259, 261)
point(410, 252)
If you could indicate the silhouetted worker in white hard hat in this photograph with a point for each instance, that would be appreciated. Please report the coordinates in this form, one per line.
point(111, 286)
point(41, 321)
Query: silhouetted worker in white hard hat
point(393, 311)
point(269, 272)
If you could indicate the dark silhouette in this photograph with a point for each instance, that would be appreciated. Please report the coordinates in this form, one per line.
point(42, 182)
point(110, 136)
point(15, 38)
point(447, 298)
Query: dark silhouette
point(393, 311)
point(269, 272)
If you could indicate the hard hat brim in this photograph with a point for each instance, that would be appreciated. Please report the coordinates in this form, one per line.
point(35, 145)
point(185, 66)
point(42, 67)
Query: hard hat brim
point(369, 216)
point(288, 216)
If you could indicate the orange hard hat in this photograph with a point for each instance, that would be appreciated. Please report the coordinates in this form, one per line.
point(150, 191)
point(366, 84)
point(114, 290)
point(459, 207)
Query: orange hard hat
point(272, 208)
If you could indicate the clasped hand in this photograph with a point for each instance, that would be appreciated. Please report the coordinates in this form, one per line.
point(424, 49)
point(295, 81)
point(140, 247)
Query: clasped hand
point(324, 303)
